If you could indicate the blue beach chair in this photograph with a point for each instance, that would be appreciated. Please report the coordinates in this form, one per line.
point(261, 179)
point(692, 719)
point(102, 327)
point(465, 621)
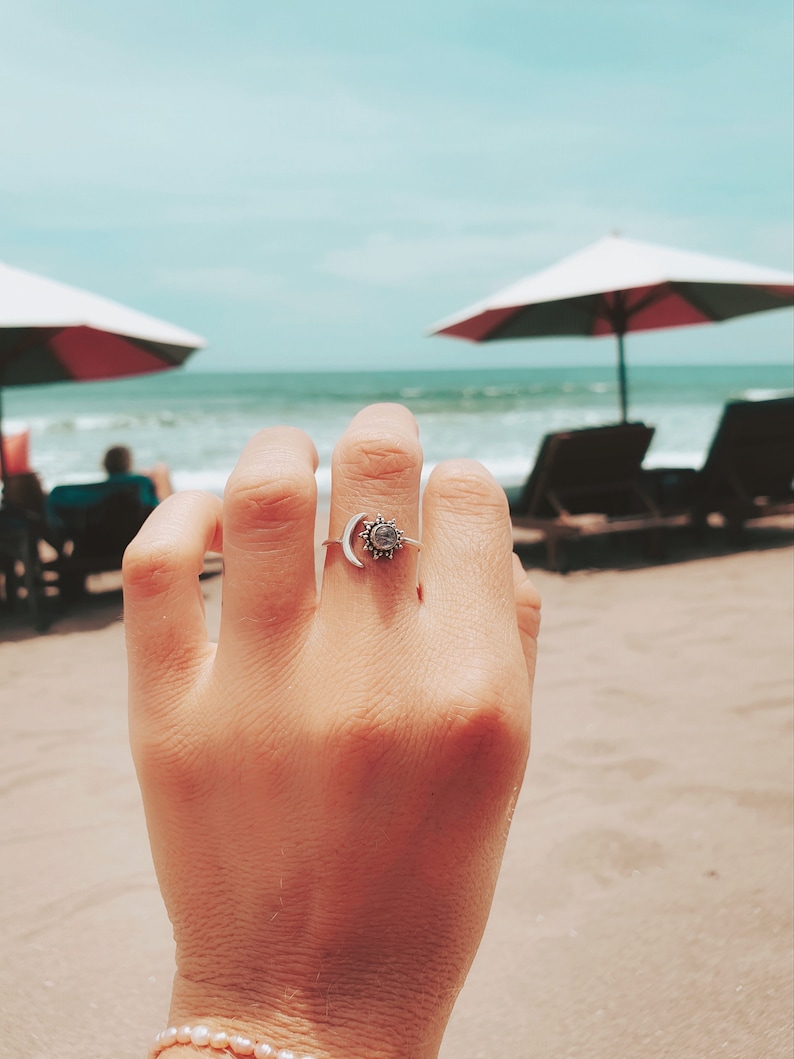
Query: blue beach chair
point(94, 523)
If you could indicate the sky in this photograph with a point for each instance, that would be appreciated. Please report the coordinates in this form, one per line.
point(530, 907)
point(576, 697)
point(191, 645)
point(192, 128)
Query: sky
point(312, 185)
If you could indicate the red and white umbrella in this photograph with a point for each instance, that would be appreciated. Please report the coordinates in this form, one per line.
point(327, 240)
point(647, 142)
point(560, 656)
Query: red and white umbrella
point(50, 332)
point(619, 285)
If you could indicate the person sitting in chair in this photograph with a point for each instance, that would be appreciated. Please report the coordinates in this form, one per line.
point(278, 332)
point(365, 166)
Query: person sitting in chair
point(96, 521)
point(117, 462)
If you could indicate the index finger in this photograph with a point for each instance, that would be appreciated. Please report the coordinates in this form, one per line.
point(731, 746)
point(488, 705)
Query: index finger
point(163, 606)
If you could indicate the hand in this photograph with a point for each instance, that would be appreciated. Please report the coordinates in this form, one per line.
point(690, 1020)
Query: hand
point(161, 479)
point(328, 790)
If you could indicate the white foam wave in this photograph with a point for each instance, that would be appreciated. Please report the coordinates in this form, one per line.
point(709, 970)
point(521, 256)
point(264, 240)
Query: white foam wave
point(672, 458)
point(507, 471)
point(763, 395)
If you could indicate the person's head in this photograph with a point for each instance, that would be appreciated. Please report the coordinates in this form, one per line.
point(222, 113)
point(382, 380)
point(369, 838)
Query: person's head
point(118, 460)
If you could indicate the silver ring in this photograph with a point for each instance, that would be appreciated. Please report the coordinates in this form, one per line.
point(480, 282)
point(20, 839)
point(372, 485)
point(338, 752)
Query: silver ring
point(381, 536)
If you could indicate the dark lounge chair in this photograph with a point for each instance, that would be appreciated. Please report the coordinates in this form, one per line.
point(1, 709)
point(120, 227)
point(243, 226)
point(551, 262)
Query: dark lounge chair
point(587, 483)
point(19, 562)
point(94, 524)
point(747, 473)
point(22, 526)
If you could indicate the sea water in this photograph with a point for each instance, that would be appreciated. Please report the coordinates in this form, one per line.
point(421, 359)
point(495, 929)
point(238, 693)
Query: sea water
point(198, 422)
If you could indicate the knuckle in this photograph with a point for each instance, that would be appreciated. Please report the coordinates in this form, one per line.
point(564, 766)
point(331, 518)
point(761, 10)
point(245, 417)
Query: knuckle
point(148, 565)
point(484, 719)
point(287, 496)
point(458, 482)
point(174, 763)
point(383, 455)
point(164, 549)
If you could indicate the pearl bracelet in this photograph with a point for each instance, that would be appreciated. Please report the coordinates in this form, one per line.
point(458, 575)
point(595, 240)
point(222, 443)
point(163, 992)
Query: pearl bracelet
point(219, 1040)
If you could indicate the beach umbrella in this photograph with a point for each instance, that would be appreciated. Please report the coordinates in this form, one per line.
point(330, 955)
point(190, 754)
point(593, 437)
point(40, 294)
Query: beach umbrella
point(619, 285)
point(50, 332)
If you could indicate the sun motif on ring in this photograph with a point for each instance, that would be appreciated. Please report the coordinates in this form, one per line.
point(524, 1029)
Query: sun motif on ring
point(381, 537)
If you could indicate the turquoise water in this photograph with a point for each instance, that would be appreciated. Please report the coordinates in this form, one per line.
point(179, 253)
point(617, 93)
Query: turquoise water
point(198, 422)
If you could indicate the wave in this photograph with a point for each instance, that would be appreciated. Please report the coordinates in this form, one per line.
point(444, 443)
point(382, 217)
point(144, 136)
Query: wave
point(198, 424)
point(757, 394)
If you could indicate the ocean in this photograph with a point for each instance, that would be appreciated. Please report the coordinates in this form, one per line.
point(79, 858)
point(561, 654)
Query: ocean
point(198, 422)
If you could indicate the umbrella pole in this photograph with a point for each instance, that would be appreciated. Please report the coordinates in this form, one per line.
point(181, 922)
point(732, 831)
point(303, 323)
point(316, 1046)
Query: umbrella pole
point(624, 397)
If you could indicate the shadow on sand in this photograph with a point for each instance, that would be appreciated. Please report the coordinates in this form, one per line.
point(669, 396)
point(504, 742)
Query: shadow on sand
point(98, 607)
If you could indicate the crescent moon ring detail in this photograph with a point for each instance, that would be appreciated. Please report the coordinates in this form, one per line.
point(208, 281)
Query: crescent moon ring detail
point(346, 540)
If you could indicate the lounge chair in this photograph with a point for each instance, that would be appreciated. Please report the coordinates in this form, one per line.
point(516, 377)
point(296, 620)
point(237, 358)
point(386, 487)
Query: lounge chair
point(22, 526)
point(20, 565)
point(587, 483)
point(747, 473)
point(94, 524)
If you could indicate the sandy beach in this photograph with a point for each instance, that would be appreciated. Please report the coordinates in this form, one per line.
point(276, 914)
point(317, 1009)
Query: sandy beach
point(644, 909)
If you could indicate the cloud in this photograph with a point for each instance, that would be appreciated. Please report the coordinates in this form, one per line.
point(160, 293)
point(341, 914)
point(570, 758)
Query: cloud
point(287, 303)
point(89, 113)
point(390, 261)
point(519, 240)
point(223, 282)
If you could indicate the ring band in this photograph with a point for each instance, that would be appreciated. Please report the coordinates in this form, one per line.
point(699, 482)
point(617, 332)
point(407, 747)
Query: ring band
point(382, 538)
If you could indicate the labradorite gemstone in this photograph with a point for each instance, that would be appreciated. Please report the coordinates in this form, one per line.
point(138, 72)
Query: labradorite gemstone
point(384, 537)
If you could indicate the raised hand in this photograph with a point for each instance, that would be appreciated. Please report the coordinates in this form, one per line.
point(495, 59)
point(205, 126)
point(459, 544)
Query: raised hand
point(328, 789)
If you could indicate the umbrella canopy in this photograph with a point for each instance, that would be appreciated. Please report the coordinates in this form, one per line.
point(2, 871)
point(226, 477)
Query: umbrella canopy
point(619, 285)
point(50, 332)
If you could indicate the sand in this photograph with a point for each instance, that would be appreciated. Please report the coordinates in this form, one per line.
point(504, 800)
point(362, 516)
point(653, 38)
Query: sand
point(645, 905)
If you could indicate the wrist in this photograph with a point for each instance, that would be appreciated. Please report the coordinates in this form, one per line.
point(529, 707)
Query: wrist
point(206, 1039)
point(213, 1037)
point(358, 1025)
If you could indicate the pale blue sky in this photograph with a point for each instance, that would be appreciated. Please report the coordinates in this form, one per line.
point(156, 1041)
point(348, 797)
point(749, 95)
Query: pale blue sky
point(313, 184)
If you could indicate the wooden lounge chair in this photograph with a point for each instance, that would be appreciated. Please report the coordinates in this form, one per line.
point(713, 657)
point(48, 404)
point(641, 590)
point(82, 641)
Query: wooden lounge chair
point(95, 523)
point(747, 473)
point(587, 483)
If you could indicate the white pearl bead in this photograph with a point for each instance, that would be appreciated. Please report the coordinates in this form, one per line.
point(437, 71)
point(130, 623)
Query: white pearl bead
point(241, 1045)
point(200, 1036)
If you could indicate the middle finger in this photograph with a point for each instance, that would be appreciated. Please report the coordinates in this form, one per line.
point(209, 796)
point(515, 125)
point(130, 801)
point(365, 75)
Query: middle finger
point(376, 470)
